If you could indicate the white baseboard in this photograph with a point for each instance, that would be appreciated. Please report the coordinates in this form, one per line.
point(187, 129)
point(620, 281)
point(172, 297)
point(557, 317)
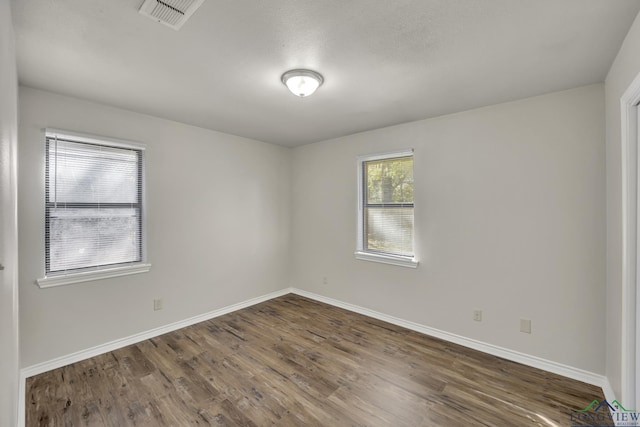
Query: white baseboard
point(136, 338)
point(609, 395)
point(525, 359)
point(123, 342)
point(505, 353)
point(607, 390)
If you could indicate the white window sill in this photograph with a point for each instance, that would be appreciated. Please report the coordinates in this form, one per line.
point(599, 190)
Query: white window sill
point(85, 276)
point(387, 259)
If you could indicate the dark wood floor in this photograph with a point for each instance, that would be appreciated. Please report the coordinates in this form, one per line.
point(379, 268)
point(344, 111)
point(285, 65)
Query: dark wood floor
point(292, 361)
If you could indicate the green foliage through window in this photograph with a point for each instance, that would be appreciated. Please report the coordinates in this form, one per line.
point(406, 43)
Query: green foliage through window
point(389, 180)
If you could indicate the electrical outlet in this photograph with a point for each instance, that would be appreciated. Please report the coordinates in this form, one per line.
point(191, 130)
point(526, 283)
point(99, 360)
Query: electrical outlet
point(157, 304)
point(325, 280)
point(525, 326)
point(477, 315)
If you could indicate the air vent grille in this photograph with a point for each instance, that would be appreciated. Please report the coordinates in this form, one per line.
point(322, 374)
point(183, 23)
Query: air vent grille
point(172, 13)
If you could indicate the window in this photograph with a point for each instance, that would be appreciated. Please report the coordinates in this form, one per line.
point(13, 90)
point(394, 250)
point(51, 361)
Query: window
point(93, 208)
point(385, 211)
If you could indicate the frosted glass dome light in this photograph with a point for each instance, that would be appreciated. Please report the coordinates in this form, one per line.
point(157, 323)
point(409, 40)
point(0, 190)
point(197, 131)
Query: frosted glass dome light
point(302, 82)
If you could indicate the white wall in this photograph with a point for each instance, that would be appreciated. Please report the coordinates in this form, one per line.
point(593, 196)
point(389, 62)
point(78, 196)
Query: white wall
point(218, 227)
point(510, 219)
point(625, 68)
point(8, 222)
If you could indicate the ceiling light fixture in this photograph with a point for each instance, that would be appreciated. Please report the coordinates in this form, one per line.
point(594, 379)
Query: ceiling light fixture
point(302, 82)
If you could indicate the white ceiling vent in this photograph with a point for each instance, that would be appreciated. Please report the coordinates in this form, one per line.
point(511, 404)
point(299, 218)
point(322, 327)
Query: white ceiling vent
point(172, 13)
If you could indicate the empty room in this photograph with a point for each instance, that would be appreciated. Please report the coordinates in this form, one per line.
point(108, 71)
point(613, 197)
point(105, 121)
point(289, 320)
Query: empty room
point(319, 213)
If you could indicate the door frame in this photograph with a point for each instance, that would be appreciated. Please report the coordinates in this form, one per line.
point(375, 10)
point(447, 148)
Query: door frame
point(630, 243)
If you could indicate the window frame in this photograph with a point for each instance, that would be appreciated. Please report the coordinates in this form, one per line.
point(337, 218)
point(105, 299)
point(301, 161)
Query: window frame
point(58, 278)
point(361, 252)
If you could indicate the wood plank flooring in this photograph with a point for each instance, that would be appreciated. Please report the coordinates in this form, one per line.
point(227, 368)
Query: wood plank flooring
point(292, 361)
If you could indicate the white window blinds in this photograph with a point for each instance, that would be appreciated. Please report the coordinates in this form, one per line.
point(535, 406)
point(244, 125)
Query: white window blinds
point(93, 209)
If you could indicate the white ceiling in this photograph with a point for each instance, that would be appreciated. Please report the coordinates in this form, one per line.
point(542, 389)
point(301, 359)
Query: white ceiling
point(384, 62)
